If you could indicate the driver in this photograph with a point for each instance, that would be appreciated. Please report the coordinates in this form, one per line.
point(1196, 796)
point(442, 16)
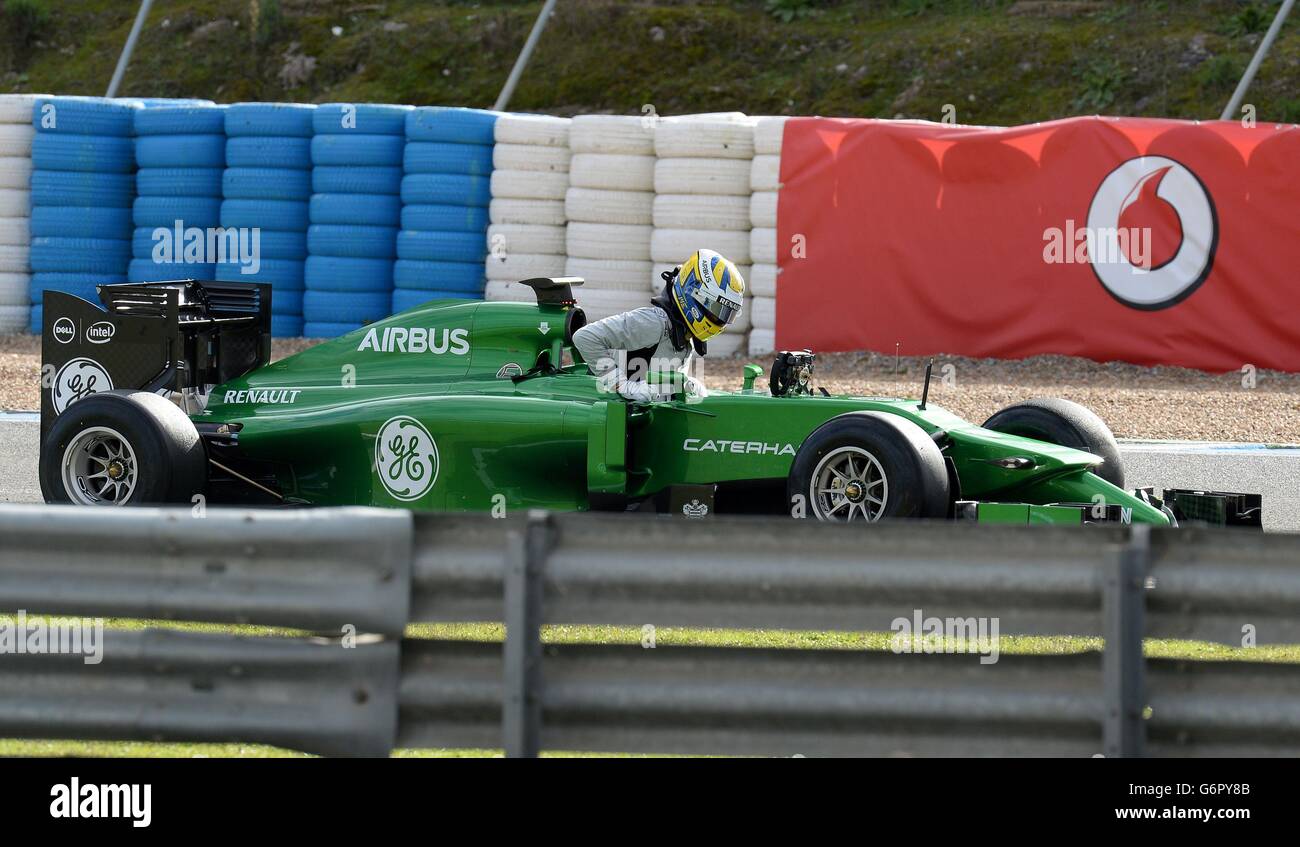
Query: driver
point(699, 300)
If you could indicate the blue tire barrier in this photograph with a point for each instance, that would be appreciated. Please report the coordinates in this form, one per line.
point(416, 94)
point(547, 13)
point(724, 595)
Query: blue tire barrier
point(69, 188)
point(409, 298)
point(285, 326)
point(339, 274)
point(280, 273)
point(289, 215)
point(357, 150)
point(445, 218)
point(80, 255)
point(181, 120)
point(81, 222)
point(266, 184)
point(262, 152)
point(88, 153)
point(461, 277)
point(442, 246)
point(270, 119)
point(352, 241)
point(34, 324)
point(321, 329)
point(365, 209)
point(147, 270)
point(446, 190)
point(442, 123)
point(85, 116)
point(370, 118)
point(178, 182)
point(202, 212)
point(359, 180)
point(286, 301)
point(433, 157)
point(76, 284)
point(345, 307)
point(181, 151)
point(165, 102)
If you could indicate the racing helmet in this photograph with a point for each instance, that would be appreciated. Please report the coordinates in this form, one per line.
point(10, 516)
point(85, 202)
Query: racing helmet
point(708, 290)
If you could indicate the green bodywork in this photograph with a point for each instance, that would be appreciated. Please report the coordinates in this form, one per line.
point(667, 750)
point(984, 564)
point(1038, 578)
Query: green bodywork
point(557, 440)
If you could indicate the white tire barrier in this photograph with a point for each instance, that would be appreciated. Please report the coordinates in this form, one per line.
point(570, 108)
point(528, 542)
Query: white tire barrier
point(765, 173)
point(768, 133)
point(675, 245)
point(512, 267)
point(539, 212)
point(762, 209)
point(762, 245)
point(762, 280)
point(612, 134)
point(612, 171)
point(13, 319)
point(529, 185)
point(533, 130)
point(15, 172)
point(609, 241)
point(728, 343)
point(613, 274)
point(15, 289)
point(508, 292)
point(530, 157)
point(702, 176)
point(526, 238)
point(762, 341)
point(599, 304)
point(764, 310)
point(594, 205)
point(704, 138)
point(706, 211)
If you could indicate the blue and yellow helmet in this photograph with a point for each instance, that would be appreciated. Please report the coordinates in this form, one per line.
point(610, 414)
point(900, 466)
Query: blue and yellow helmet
point(709, 292)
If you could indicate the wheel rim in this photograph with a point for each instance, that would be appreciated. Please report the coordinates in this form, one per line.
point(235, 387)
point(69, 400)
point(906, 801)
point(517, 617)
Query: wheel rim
point(849, 484)
point(99, 468)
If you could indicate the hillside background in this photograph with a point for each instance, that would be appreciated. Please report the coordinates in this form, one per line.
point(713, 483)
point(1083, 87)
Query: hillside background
point(997, 61)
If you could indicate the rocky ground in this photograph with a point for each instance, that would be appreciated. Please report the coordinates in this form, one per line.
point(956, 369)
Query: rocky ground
point(1137, 402)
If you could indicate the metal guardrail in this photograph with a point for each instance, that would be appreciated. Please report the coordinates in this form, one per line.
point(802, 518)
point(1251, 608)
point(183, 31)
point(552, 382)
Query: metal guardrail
point(377, 570)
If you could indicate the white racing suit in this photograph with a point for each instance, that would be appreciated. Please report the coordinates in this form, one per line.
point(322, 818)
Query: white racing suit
point(624, 350)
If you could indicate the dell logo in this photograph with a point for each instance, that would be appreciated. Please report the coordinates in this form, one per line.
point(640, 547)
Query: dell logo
point(64, 330)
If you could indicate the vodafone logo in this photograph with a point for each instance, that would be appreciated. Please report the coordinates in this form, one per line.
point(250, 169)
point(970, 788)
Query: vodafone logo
point(1165, 202)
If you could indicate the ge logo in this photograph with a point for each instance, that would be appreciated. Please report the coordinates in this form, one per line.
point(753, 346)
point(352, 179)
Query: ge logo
point(406, 458)
point(76, 379)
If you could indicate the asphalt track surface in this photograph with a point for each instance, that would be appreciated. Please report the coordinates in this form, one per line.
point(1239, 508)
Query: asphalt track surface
point(1253, 468)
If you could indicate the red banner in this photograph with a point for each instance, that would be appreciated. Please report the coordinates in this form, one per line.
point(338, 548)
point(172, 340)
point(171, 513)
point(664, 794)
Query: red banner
point(1146, 241)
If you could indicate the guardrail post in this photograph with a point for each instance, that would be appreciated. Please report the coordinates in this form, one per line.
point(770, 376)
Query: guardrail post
point(1123, 665)
point(521, 714)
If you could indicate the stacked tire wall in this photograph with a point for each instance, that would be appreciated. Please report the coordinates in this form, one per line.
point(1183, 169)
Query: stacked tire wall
point(355, 216)
point(610, 209)
point(180, 151)
point(267, 187)
point(446, 192)
point(16, 133)
point(702, 178)
point(765, 183)
point(83, 188)
point(530, 177)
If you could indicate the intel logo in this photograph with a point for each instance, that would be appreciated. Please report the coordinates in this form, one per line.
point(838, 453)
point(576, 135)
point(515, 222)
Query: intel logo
point(100, 333)
point(64, 330)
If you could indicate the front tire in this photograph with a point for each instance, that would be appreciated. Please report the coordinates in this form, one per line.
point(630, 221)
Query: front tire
point(122, 448)
point(1066, 424)
point(865, 466)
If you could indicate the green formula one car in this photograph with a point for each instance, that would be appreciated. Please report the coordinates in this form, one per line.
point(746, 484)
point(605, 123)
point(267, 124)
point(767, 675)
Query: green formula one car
point(474, 406)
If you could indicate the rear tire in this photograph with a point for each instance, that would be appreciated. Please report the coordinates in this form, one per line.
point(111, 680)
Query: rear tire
point(1066, 424)
point(864, 466)
point(122, 448)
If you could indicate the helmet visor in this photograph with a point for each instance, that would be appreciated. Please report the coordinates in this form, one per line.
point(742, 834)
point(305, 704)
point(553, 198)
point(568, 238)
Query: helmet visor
point(721, 312)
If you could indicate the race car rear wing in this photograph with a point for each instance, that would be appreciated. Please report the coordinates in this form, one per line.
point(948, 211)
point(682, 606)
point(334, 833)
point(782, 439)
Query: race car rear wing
point(180, 336)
